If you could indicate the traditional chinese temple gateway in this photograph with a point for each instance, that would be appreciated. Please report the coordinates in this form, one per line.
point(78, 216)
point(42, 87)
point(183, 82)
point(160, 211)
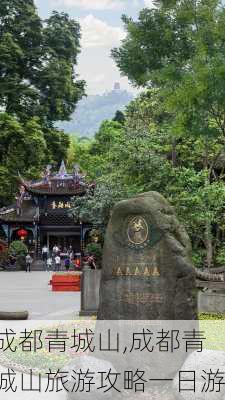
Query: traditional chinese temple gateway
point(40, 215)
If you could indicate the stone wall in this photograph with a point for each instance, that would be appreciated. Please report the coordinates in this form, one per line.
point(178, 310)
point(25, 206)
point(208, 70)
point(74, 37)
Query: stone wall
point(211, 302)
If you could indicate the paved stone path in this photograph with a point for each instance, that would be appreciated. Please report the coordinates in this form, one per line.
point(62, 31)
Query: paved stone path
point(30, 291)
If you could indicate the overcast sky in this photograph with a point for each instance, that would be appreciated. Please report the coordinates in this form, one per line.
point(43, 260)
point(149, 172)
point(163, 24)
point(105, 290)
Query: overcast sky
point(102, 30)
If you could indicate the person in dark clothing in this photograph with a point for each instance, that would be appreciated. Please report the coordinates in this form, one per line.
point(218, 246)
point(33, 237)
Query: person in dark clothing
point(67, 263)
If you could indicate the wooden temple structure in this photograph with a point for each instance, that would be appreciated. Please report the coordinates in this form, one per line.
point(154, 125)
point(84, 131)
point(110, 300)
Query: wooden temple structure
point(40, 215)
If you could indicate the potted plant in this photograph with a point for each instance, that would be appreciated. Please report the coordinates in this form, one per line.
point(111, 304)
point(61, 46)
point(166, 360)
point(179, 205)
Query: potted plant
point(18, 250)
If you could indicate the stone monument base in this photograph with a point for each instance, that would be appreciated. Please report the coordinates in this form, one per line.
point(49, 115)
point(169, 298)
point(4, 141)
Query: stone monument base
point(90, 283)
point(211, 302)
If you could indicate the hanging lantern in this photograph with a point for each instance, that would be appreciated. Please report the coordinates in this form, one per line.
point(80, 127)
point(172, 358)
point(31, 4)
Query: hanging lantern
point(22, 233)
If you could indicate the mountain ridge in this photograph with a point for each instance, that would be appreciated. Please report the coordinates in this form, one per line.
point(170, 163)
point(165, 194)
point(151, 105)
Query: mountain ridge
point(94, 109)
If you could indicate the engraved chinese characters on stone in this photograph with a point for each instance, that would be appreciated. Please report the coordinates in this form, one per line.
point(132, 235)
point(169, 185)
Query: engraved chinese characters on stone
point(135, 270)
point(141, 298)
point(137, 230)
point(147, 273)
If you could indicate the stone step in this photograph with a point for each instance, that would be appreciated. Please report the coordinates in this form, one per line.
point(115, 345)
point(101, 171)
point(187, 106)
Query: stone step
point(37, 265)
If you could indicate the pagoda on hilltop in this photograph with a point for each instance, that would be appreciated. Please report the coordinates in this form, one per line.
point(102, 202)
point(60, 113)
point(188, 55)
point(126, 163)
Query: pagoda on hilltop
point(40, 215)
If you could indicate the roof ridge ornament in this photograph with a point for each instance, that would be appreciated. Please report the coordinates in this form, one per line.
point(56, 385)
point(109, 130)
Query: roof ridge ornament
point(47, 174)
point(62, 170)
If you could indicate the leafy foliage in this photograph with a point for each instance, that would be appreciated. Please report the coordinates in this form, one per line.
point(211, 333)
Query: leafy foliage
point(141, 155)
point(171, 138)
point(178, 48)
point(38, 86)
point(95, 207)
point(18, 248)
point(37, 63)
point(95, 250)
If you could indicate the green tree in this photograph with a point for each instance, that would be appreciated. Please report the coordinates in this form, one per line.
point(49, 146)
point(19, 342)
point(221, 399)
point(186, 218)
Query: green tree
point(57, 78)
point(6, 186)
point(179, 48)
point(119, 117)
point(93, 155)
point(18, 248)
point(108, 133)
point(22, 149)
point(57, 143)
point(96, 205)
point(38, 86)
point(20, 45)
point(37, 63)
point(145, 157)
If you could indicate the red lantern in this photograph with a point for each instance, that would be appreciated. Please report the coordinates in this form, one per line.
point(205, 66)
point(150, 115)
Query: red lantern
point(22, 233)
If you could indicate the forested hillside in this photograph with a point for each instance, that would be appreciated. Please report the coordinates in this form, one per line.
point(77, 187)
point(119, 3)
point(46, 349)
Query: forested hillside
point(93, 109)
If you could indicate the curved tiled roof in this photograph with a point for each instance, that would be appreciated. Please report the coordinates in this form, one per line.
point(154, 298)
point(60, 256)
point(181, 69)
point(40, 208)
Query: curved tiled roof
point(60, 183)
point(28, 213)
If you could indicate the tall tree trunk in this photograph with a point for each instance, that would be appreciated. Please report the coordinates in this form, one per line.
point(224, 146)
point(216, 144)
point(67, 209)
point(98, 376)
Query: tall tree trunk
point(209, 244)
point(174, 153)
point(208, 224)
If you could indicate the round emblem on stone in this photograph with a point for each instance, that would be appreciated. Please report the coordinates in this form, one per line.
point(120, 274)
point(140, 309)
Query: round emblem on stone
point(137, 230)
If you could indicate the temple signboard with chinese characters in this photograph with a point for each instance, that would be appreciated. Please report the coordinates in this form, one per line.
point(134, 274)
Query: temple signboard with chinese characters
point(56, 204)
point(42, 210)
point(147, 273)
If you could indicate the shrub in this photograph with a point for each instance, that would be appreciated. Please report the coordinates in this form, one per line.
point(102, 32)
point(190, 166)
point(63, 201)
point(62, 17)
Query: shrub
point(95, 249)
point(18, 248)
point(198, 258)
point(3, 257)
point(220, 257)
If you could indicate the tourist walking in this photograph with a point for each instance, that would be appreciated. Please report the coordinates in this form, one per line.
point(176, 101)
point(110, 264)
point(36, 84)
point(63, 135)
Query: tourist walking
point(28, 262)
point(55, 250)
point(49, 264)
point(44, 252)
point(67, 263)
point(57, 263)
point(71, 254)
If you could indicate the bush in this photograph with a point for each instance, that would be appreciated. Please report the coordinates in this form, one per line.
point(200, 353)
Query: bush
point(95, 249)
point(3, 257)
point(17, 249)
point(220, 256)
point(198, 258)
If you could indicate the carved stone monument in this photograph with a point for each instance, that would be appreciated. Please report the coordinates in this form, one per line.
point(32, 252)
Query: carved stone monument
point(147, 273)
point(90, 282)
